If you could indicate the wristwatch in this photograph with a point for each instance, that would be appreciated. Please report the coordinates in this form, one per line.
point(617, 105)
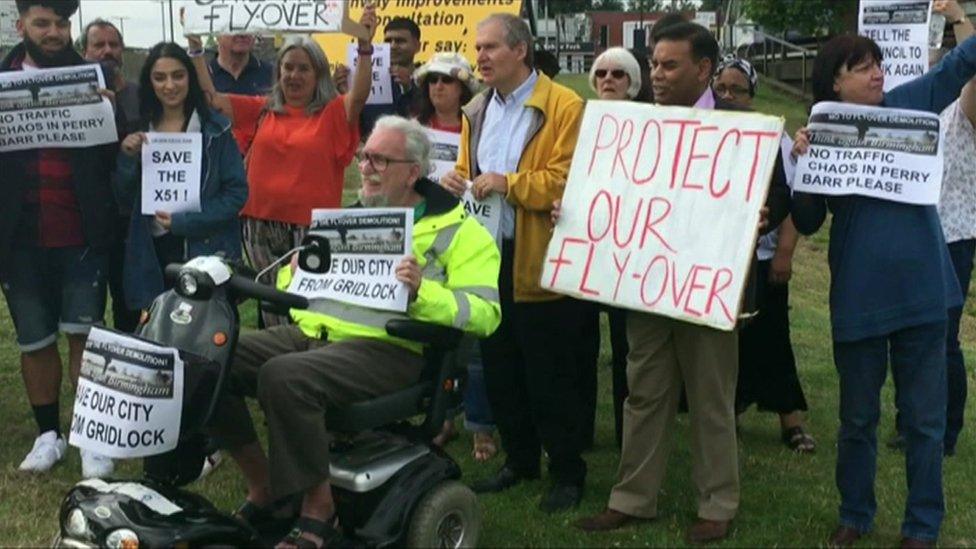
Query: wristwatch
point(194, 53)
point(365, 51)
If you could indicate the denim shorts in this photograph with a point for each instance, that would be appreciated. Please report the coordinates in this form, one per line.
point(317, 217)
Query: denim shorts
point(52, 289)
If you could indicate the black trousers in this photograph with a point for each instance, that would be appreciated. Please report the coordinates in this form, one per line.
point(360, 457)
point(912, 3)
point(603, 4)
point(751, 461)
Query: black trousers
point(532, 377)
point(767, 367)
point(589, 353)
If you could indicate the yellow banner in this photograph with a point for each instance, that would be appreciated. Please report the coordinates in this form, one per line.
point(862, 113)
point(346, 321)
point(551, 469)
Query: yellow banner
point(445, 25)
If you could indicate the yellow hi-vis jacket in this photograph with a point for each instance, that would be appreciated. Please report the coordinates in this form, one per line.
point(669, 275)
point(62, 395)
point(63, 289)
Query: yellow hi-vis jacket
point(459, 263)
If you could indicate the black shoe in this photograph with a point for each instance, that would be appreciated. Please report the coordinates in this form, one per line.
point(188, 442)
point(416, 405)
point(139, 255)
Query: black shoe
point(505, 478)
point(561, 497)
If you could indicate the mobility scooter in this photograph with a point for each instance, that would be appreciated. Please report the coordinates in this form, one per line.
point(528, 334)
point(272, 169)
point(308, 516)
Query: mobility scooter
point(391, 487)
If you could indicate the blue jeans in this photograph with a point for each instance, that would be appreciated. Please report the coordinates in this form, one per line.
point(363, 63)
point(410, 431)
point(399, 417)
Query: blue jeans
point(917, 357)
point(961, 253)
point(477, 411)
point(52, 289)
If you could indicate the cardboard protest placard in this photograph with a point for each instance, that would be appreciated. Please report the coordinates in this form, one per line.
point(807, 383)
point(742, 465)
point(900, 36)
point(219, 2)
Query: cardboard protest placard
point(444, 155)
point(891, 154)
point(367, 244)
point(268, 17)
point(901, 29)
point(381, 92)
point(56, 108)
point(129, 400)
point(447, 25)
point(171, 166)
point(661, 209)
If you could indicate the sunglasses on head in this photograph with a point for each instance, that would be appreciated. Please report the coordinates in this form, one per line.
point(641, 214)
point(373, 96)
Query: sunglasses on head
point(442, 78)
point(619, 74)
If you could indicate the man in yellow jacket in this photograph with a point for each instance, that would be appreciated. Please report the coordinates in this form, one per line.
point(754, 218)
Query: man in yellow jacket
point(517, 139)
point(338, 354)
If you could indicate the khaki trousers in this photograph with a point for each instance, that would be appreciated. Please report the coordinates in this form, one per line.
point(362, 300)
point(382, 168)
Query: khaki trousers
point(296, 378)
point(663, 354)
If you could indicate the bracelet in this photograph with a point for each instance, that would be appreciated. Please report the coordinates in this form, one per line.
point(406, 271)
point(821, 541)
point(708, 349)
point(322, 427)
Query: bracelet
point(194, 53)
point(365, 51)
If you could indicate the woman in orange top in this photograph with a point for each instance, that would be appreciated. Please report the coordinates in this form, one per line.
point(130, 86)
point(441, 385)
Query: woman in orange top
point(301, 138)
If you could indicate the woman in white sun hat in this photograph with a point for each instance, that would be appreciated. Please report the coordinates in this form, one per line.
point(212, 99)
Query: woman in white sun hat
point(446, 84)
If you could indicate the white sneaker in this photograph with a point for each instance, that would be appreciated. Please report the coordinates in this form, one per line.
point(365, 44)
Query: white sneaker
point(95, 465)
point(212, 462)
point(48, 449)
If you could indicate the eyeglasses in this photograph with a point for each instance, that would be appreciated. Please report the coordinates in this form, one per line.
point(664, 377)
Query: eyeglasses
point(442, 78)
point(380, 163)
point(619, 74)
point(733, 91)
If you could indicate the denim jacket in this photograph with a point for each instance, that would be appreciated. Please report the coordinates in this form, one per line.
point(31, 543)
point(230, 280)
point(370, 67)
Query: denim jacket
point(215, 230)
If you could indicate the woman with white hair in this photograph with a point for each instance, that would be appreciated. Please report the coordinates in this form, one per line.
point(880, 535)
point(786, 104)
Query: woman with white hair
point(298, 142)
point(616, 75)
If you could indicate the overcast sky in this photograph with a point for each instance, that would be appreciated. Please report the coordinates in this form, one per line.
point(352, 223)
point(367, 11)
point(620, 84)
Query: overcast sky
point(143, 20)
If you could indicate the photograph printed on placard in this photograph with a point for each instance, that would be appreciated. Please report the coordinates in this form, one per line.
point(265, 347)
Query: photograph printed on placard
point(893, 132)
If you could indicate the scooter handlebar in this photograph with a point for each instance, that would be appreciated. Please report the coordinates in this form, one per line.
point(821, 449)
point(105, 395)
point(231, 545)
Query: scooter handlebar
point(245, 287)
point(249, 288)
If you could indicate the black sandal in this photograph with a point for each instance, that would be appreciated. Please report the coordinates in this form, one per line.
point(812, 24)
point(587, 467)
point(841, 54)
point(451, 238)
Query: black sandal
point(324, 530)
point(798, 440)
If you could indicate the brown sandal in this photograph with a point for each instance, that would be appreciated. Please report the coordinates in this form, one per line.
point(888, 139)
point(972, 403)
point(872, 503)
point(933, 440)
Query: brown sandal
point(484, 447)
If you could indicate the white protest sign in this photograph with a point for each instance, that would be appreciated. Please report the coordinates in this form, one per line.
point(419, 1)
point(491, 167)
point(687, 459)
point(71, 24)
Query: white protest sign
point(262, 16)
point(661, 209)
point(381, 92)
point(901, 29)
point(444, 155)
point(8, 23)
point(171, 166)
point(129, 400)
point(367, 244)
point(57, 108)
point(891, 154)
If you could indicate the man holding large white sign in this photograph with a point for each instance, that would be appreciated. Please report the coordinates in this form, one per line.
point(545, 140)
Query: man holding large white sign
point(661, 211)
point(883, 153)
point(58, 213)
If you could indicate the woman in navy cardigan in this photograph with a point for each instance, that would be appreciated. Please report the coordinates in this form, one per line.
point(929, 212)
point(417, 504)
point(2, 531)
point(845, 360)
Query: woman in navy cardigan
point(891, 285)
point(171, 100)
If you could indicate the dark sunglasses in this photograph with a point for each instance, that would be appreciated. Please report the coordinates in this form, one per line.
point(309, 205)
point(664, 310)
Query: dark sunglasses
point(442, 78)
point(619, 74)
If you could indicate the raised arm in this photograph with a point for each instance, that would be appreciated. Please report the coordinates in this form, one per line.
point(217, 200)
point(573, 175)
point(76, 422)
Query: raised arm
point(355, 100)
point(963, 29)
point(218, 101)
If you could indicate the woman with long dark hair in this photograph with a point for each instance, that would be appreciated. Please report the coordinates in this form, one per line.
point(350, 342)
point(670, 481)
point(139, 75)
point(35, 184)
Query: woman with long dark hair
point(172, 101)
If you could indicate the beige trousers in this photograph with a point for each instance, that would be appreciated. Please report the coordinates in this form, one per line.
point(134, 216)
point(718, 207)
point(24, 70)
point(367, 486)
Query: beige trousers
point(663, 354)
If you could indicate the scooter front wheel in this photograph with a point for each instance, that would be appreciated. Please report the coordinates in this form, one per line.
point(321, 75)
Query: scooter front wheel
point(448, 516)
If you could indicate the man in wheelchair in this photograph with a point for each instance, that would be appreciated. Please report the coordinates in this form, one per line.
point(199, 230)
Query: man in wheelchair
point(336, 355)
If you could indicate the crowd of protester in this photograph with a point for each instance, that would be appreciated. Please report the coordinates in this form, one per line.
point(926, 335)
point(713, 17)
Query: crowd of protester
point(277, 139)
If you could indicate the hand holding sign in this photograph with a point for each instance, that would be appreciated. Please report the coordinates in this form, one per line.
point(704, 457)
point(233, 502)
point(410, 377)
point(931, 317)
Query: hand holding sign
point(132, 144)
point(408, 272)
point(487, 183)
point(369, 22)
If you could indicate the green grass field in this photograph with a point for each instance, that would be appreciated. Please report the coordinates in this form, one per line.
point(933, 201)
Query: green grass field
point(787, 500)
